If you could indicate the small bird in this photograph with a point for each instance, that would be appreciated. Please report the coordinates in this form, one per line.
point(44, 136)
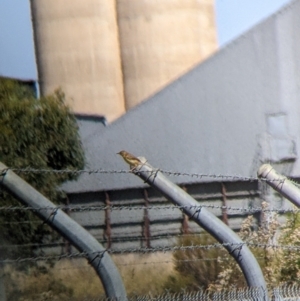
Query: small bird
point(130, 159)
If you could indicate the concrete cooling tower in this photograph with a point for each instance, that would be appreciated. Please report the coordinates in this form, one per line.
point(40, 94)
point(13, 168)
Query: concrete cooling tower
point(160, 40)
point(77, 49)
point(109, 55)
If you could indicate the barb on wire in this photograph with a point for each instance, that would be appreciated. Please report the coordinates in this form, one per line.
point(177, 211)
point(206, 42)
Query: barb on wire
point(3, 172)
point(51, 216)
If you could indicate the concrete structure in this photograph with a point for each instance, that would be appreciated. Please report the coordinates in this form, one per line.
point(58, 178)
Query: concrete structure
point(98, 49)
point(161, 40)
point(227, 116)
point(77, 48)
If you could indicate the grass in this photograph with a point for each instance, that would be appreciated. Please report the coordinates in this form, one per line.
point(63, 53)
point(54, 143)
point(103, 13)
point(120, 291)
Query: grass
point(144, 274)
point(76, 280)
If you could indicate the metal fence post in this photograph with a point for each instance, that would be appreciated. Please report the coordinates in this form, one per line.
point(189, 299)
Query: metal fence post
point(235, 246)
point(280, 183)
point(67, 227)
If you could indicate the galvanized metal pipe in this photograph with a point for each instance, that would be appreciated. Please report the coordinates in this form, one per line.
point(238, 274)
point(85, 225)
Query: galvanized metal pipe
point(280, 183)
point(71, 230)
point(208, 221)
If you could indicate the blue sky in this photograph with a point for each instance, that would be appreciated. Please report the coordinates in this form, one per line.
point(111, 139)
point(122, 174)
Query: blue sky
point(236, 16)
point(16, 39)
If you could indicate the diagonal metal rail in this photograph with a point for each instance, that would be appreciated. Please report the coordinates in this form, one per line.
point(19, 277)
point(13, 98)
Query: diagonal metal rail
point(71, 230)
point(221, 232)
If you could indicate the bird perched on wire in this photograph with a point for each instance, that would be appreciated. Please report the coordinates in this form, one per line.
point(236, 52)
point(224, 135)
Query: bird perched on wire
point(130, 159)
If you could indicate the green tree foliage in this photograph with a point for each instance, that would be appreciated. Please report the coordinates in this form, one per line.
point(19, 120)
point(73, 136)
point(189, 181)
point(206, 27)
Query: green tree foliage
point(41, 134)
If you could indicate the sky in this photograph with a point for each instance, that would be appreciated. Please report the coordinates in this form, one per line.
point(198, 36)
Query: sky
point(17, 59)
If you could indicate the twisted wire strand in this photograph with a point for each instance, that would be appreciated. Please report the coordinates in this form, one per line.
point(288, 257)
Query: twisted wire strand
point(80, 208)
point(166, 172)
point(293, 248)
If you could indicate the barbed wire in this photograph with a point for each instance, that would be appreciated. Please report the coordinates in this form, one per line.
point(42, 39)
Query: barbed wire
point(122, 171)
point(205, 247)
point(162, 249)
point(281, 292)
point(128, 239)
point(75, 208)
point(23, 222)
point(172, 261)
point(49, 257)
point(112, 239)
point(157, 234)
point(151, 262)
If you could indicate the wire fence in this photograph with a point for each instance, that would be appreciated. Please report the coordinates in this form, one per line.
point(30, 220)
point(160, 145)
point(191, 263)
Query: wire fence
point(286, 293)
point(280, 293)
point(165, 211)
point(135, 235)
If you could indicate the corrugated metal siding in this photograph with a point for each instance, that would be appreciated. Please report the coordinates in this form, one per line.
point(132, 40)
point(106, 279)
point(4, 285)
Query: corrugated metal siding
point(128, 226)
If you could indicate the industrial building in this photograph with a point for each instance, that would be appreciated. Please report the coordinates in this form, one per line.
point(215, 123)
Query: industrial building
point(220, 121)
